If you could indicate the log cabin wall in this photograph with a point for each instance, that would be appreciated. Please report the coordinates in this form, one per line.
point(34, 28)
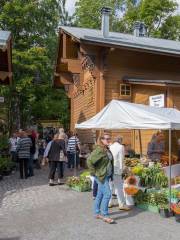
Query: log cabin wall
point(141, 65)
point(85, 97)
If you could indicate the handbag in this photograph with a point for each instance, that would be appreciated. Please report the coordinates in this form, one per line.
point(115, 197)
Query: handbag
point(62, 158)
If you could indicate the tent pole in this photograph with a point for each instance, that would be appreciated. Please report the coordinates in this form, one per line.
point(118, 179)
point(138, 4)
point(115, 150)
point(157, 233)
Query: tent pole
point(140, 142)
point(170, 167)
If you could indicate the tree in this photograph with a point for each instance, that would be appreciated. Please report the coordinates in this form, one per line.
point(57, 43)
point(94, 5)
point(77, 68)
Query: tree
point(153, 13)
point(65, 19)
point(89, 16)
point(158, 15)
point(171, 28)
point(34, 25)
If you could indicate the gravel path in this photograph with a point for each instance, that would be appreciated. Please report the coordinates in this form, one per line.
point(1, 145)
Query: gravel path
point(31, 210)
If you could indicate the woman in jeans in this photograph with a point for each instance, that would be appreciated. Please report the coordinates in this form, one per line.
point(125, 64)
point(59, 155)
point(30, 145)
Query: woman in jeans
point(101, 165)
point(57, 146)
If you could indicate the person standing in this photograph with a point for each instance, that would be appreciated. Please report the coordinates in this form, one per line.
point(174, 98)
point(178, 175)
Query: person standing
point(23, 150)
point(118, 152)
point(62, 132)
point(57, 146)
point(73, 150)
point(32, 136)
point(156, 147)
point(12, 147)
point(101, 166)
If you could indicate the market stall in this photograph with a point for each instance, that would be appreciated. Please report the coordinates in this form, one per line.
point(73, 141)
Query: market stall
point(124, 115)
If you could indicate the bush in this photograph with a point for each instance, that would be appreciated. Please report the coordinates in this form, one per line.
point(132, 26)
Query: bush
point(6, 164)
point(4, 144)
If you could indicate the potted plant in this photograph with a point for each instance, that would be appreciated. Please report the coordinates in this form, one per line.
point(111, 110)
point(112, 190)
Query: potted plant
point(164, 210)
point(80, 184)
point(154, 177)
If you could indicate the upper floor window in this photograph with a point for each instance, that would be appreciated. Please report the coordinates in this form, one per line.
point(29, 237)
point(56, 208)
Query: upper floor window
point(125, 90)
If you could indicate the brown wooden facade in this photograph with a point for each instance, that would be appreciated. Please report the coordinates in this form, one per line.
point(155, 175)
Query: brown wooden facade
point(6, 62)
point(93, 75)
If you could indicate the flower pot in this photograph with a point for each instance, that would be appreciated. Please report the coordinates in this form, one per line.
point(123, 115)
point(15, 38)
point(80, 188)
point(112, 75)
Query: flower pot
point(177, 217)
point(148, 207)
point(81, 188)
point(164, 213)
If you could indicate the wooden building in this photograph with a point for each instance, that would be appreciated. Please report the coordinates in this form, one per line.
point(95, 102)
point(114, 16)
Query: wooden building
point(96, 66)
point(5, 57)
point(5, 73)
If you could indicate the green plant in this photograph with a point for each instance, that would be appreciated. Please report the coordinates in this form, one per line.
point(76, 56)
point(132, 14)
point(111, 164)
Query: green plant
point(6, 164)
point(3, 143)
point(174, 193)
point(85, 174)
point(158, 199)
point(138, 170)
point(154, 177)
point(79, 181)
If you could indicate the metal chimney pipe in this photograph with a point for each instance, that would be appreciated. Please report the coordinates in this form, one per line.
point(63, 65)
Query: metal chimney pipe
point(140, 29)
point(137, 28)
point(105, 11)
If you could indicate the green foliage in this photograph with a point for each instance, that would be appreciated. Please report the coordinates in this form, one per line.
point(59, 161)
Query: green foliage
point(138, 170)
point(152, 198)
point(34, 27)
point(81, 181)
point(85, 174)
point(89, 16)
point(154, 177)
point(3, 143)
point(174, 193)
point(6, 164)
point(171, 28)
point(158, 15)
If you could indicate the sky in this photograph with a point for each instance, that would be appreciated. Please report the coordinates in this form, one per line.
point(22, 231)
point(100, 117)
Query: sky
point(70, 5)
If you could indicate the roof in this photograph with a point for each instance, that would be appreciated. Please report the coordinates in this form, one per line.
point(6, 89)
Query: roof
point(4, 37)
point(151, 82)
point(94, 36)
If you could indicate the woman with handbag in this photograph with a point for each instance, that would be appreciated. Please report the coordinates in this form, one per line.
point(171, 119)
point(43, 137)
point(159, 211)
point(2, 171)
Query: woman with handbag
point(56, 156)
point(101, 166)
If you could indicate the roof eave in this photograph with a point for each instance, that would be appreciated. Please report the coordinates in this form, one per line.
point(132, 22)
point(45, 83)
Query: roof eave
point(68, 33)
point(131, 47)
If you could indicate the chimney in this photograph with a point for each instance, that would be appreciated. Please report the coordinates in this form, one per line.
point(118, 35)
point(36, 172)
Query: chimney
point(105, 11)
point(140, 29)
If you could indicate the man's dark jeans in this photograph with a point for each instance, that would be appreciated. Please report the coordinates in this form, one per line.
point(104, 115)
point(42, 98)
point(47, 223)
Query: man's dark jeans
point(30, 166)
point(95, 188)
point(23, 167)
point(60, 169)
point(72, 158)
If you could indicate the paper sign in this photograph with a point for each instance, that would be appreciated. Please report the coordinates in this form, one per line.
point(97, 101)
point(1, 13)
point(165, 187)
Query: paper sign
point(157, 100)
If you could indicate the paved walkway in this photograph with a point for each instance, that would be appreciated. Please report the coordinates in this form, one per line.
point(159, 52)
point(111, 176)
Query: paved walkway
point(31, 210)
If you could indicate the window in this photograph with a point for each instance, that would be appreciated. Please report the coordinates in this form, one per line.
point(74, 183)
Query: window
point(125, 90)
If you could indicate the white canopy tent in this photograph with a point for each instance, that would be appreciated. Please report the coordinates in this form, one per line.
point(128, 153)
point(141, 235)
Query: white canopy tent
point(124, 115)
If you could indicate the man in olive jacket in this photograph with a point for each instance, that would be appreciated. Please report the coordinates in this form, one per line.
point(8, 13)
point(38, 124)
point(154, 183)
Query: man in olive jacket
point(101, 167)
